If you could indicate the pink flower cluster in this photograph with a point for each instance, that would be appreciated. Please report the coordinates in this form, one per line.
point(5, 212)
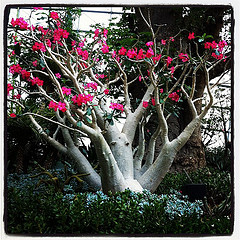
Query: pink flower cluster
point(183, 57)
point(15, 69)
point(100, 76)
point(82, 53)
point(37, 81)
point(82, 98)
point(174, 96)
point(25, 74)
point(168, 60)
point(97, 32)
point(92, 85)
point(66, 91)
point(60, 33)
point(54, 15)
point(19, 22)
point(38, 46)
point(117, 106)
point(141, 54)
point(61, 106)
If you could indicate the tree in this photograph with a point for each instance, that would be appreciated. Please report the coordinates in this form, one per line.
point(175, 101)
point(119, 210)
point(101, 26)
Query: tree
point(79, 96)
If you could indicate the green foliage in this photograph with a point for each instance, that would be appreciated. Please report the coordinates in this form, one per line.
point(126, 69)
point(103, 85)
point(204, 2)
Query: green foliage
point(57, 182)
point(123, 213)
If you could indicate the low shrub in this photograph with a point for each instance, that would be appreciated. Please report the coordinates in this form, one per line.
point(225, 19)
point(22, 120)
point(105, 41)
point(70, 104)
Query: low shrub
point(32, 212)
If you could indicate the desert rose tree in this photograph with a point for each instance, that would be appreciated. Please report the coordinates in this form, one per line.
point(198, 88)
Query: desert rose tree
point(83, 102)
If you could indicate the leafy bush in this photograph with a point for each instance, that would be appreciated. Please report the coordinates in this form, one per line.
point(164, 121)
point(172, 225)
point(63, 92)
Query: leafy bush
point(32, 212)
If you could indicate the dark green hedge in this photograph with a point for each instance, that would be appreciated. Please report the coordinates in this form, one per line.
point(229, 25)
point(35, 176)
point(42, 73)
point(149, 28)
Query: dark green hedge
point(95, 213)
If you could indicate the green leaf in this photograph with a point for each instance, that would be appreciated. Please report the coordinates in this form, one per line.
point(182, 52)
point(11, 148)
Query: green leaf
point(89, 111)
point(79, 124)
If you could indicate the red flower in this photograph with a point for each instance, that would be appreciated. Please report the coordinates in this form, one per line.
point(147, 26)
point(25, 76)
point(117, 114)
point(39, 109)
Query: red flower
point(149, 43)
point(25, 74)
point(9, 88)
point(174, 96)
point(122, 51)
point(145, 104)
point(12, 115)
point(183, 57)
point(53, 105)
point(131, 53)
point(169, 60)
point(54, 15)
point(105, 49)
point(117, 106)
point(106, 91)
point(191, 36)
point(149, 53)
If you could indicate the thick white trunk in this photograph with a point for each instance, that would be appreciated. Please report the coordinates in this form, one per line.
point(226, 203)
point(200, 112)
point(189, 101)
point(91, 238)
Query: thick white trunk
point(83, 166)
point(154, 175)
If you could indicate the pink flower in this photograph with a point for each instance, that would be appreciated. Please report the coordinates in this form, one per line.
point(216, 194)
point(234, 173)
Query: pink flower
point(163, 42)
point(169, 60)
point(183, 57)
point(122, 51)
point(54, 15)
point(106, 91)
point(217, 56)
point(15, 69)
point(117, 106)
point(85, 55)
point(221, 45)
point(12, 115)
point(105, 49)
point(92, 85)
point(171, 39)
point(9, 88)
point(25, 74)
point(34, 63)
point(62, 106)
point(174, 96)
point(149, 43)
point(131, 53)
point(157, 58)
point(191, 36)
point(172, 69)
point(105, 32)
point(18, 96)
point(82, 98)
point(38, 46)
point(19, 22)
point(114, 54)
point(37, 81)
point(141, 54)
point(149, 53)
point(140, 78)
point(66, 91)
point(145, 104)
point(58, 75)
point(96, 32)
point(53, 105)
point(161, 90)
